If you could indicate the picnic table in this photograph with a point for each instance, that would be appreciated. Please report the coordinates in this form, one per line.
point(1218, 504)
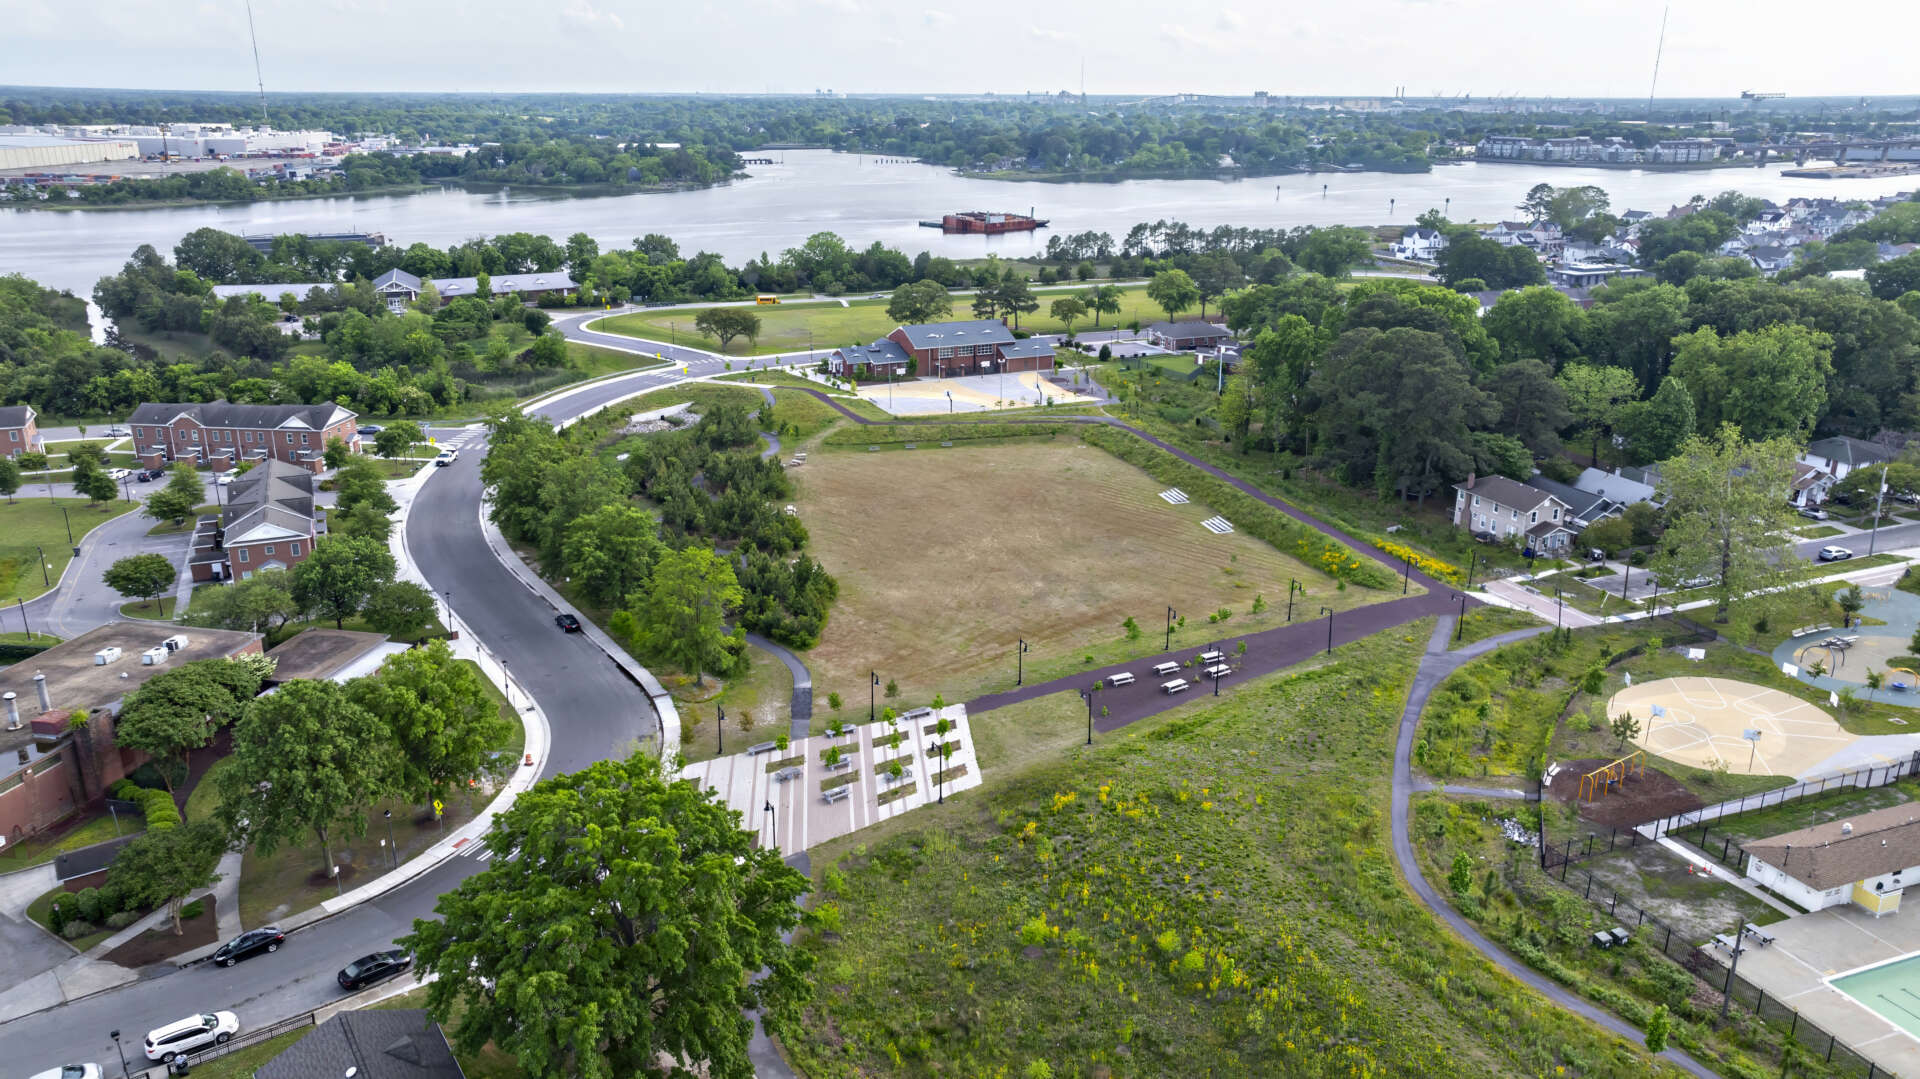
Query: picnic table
point(1123, 678)
point(1758, 934)
point(1173, 686)
point(1211, 657)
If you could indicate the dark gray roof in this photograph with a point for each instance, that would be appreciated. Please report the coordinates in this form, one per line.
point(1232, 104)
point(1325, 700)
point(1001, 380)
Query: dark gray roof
point(1032, 346)
point(1190, 328)
point(1585, 505)
point(15, 415)
point(401, 1044)
point(396, 277)
point(1838, 852)
point(881, 351)
point(984, 331)
point(1852, 452)
point(261, 417)
point(452, 288)
point(272, 493)
point(1505, 492)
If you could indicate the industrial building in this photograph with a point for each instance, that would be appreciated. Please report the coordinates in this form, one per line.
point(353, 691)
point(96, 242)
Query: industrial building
point(50, 152)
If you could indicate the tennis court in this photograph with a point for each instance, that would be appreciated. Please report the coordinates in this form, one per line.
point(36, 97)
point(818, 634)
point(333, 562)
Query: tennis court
point(1706, 722)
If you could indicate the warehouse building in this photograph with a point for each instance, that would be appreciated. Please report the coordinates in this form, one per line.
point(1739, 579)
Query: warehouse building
point(49, 152)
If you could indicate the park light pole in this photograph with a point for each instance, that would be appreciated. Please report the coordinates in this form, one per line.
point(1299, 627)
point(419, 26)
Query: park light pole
point(1878, 498)
point(1406, 571)
point(874, 680)
point(115, 1035)
point(949, 402)
point(1169, 645)
point(1626, 575)
point(1560, 611)
point(1726, 993)
point(1460, 624)
point(69, 523)
point(719, 736)
point(1328, 611)
point(1472, 558)
point(1292, 587)
point(126, 492)
point(1019, 662)
point(773, 823)
point(1088, 694)
point(44, 579)
point(391, 845)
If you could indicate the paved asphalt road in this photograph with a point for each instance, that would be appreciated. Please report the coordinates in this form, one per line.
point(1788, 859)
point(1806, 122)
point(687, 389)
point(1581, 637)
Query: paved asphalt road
point(703, 363)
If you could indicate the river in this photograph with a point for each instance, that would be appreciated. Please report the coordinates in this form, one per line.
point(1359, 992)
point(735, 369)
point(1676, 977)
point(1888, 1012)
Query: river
point(865, 199)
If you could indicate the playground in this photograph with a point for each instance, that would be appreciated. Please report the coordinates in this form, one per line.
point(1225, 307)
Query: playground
point(969, 393)
point(1716, 722)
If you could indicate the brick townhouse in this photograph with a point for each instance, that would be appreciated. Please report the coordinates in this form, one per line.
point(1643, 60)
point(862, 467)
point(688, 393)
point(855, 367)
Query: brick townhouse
point(269, 523)
point(18, 433)
point(221, 435)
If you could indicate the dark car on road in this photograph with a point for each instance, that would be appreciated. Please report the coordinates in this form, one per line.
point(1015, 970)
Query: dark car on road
point(370, 429)
point(377, 967)
point(148, 474)
point(249, 944)
point(567, 623)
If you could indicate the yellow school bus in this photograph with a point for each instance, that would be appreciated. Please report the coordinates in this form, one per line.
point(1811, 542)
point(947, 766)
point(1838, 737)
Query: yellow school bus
point(766, 299)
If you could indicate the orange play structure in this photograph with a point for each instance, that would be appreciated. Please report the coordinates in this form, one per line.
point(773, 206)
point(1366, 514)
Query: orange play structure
point(1601, 779)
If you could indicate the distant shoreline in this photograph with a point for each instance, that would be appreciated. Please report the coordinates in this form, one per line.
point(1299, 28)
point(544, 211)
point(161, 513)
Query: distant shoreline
point(63, 205)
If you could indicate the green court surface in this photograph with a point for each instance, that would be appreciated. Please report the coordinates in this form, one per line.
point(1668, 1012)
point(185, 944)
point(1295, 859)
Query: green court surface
point(1890, 990)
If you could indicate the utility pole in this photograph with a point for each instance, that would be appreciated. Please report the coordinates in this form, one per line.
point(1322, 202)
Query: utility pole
point(1874, 533)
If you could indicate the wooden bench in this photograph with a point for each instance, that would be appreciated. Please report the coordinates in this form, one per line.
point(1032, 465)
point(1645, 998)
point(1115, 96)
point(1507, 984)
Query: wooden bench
point(1164, 669)
point(1121, 679)
point(764, 747)
point(837, 794)
point(1174, 686)
point(791, 772)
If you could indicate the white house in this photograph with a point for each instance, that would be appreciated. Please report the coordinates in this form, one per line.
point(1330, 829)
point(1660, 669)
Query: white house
point(1868, 860)
point(1423, 245)
point(1508, 509)
point(1840, 455)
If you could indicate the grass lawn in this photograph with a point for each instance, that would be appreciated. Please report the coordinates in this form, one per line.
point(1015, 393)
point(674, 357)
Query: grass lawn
point(1169, 903)
point(592, 361)
point(242, 1063)
point(155, 610)
point(808, 415)
point(169, 528)
point(398, 468)
point(786, 328)
point(1490, 621)
point(1812, 572)
point(1079, 541)
point(19, 637)
point(758, 706)
point(30, 523)
point(1818, 532)
point(782, 378)
point(23, 853)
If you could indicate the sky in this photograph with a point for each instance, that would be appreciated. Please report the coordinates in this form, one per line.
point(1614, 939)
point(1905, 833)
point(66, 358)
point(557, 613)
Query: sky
point(1584, 48)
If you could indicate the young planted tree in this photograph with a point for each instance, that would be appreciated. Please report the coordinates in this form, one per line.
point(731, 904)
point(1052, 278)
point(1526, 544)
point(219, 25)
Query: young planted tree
point(337, 579)
point(1067, 310)
point(306, 760)
point(1102, 300)
point(140, 576)
point(337, 452)
point(622, 937)
point(1625, 728)
point(398, 437)
point(9, 477)
point(96, 485)
point(400, 609)
point(684, 613)
point(445, 727)
point(1725, 517)
point(168, 864)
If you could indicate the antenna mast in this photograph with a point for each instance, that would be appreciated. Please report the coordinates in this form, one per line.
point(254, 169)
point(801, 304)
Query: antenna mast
point(257, 80)
point(1657, 50)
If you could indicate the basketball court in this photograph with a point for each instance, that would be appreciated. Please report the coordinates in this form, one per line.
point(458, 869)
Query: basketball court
point(968, 393)
point(1709, 721)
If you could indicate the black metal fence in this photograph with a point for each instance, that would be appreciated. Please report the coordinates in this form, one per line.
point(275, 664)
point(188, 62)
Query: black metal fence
point(239, 1042)
point(1878, 775)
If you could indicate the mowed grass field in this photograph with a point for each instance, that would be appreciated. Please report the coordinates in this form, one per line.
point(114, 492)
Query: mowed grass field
point(785, 327)
point(29, 526)
point(947, 557)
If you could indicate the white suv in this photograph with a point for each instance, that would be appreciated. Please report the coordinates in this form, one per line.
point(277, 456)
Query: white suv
point(194, 1032)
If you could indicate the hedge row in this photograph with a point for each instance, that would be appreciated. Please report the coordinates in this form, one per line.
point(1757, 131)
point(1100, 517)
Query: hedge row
point(156, 805)
point(1247, 513)
point(932, 434)
point(15, 653)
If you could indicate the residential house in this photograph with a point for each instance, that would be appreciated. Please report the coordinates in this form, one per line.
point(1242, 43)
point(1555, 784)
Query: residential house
point(18, 432)
point(1867, 860)
point(269, 522)
point(1584, 508)
point(1188, 336)
point(1422, 245)
point(49, 767)
point(952, 349)
point(1810, 486)
point(403, 1043)
point(1625, 486)
point(1633, 219)
point(1589, 274)
point(222, 434)
point(1770, 259)
point(399, 289)
point(1840, 455)
point(1511, 510)
point(1543, 238)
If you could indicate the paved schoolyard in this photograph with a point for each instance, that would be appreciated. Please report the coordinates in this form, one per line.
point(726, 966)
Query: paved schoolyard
point(1811, 949)
point(971, 393)
point(801, 816)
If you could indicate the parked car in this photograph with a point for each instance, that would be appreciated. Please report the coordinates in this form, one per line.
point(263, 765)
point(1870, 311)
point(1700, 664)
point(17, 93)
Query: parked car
point(194, 1032)
point(1486, 537)
point(249, 944)
point(567, 623)
point(71, 1071)
point(377, 967)
point(371, 428)
point(1835, 554)
point(118, 474)
point(1813, 513)
point(147, 475)
point(224, 479)
point(116, 429)
point(445, 458)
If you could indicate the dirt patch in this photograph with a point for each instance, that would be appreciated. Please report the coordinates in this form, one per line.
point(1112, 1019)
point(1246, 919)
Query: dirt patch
point(1694, 904)
point(1638, 799)
point(156, 945)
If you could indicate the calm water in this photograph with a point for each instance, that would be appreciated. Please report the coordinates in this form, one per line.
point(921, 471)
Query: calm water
point(864, 200)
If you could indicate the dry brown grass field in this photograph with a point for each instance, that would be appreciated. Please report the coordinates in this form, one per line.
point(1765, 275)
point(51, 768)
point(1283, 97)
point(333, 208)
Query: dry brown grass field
point(947, 557)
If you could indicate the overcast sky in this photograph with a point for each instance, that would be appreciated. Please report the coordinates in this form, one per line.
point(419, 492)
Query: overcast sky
point(1714, 48)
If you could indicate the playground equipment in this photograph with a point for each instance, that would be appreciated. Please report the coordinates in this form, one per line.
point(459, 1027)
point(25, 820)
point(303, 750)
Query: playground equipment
point(1912, 679)
point(1604, 779)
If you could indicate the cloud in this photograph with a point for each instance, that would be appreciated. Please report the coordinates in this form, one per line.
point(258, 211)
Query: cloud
point(1046, 34)
point(583, 12)
point(939, 19)
point(844, 7)
point(1230, 20)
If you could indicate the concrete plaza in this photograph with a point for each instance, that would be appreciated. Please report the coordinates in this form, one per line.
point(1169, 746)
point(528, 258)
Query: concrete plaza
point(802, 817)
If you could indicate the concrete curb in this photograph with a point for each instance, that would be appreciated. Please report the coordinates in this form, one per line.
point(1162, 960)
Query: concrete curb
point(571, 388)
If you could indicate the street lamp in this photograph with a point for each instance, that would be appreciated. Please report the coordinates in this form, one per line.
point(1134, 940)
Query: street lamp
point(125, 491)
point(1019, 662)
point(1405, 572)
point(1088, 694)
point(115, 1035)
point(1292, 587)
point(949, 402)
point(1328, 611)
point(719, 737)
point(69, 523)
point(874, 676)
point(1472, 558)
point(1625, 576)
point(44, 579)
point(1460, 624)
point(1560, 611)
point(391, 845)
point(1168, 647)
point(773, 820)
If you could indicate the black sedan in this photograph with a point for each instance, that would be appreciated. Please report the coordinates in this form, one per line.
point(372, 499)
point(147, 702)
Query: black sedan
point(377, 967)
point(567, 623)
point(249, 944)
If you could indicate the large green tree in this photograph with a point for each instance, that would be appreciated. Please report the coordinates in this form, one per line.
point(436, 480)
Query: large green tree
point(683, 612)
point(1595, 396)
point(1333, 252)
point(259, 604)
point(178, 711)
point(1174, 291)
point(306, 759)
point(1655, 428)
point(1537, 323)
point(166, 865)
point(337, 578)
point(1632, 325)
point(180, 497)
point(1102, 299)
point(919, 301)
point(400, 609)
point(1533, 405)
point(622, 937)
point(610, 552)
point(1726, 519)
point(396, 438)
point(1398, 407)
point(444, 726)
point(1767, 382)
point(726, 323)
point(140, 576)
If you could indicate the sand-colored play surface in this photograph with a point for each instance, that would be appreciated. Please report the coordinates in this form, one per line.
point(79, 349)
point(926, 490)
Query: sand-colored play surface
point(973, 393)
point(1705, 721)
